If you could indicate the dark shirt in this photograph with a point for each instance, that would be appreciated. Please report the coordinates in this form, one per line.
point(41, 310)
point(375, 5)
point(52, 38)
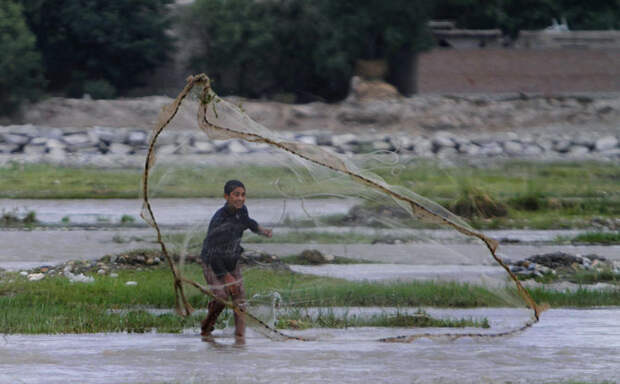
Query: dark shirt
point(221, 247)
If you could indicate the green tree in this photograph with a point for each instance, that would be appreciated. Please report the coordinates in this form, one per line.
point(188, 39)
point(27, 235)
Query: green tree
point(20, 64)
point(514, 15)
point(394, 30)
point(99, 43)
point(308, 48)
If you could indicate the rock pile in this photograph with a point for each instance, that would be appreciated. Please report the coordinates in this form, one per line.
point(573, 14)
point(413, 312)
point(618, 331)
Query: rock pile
point(60, 143)
point(560, 263)
point(82, 271)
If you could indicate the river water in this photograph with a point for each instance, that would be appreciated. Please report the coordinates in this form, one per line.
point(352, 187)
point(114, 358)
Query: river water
point(567, 344)
point(170, 211)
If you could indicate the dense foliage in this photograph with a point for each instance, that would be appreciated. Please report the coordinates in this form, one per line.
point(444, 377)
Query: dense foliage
point(99, 45)
point(304, 50)
point(296, 46)
point(514, 15)
point(20, 64)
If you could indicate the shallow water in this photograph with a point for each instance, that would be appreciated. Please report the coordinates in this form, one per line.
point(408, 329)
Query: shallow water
point(566, 345)
point(49, 246)
point(171, 211)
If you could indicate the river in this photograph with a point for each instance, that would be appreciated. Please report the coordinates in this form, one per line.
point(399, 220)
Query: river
point(567, 344)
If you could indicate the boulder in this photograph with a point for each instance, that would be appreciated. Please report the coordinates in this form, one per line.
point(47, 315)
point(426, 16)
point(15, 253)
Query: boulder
point(204, 147)
point(235, 146)
point(371, 90)
point(513, 148)
point(606, 143)
point(16, 138)
point(136, 138)
point(77, 139)
point(312, 256)
point(119, 149)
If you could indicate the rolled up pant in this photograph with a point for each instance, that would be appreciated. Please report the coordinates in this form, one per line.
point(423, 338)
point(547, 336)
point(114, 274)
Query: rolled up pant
point(217, 285)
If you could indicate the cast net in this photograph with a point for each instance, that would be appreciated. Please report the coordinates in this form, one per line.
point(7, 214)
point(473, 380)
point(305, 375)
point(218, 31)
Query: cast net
point(350, 250)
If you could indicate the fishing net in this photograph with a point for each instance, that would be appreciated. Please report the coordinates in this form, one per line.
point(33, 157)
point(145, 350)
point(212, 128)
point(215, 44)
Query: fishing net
point(426, 262)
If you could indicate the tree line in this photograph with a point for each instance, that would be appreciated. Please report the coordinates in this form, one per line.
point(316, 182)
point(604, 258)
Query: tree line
point(253, 48)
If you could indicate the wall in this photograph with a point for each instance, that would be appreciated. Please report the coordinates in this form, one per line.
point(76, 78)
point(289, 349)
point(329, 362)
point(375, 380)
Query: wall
point(519, 70)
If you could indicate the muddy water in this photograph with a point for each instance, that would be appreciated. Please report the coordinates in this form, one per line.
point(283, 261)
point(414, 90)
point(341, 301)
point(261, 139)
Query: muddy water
point(566, 345)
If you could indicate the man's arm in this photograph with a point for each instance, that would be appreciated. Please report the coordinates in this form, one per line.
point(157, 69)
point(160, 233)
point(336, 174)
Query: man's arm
point(254, 226)
point(265, 231)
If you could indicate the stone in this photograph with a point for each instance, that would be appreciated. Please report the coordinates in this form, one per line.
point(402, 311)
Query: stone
point(235, 146)
point(136, 138)
point(204, 147)
point(101, 272)
point(578, 151)
point(23, 273)
point(610, 152)
point(324, 139)
point(562, 146)
point(513, 148)
point(9, 148)
point(167, 149)
point(131, 283)
point(16, 138)
point(442, 139)
point(491, 149)
point(119, 149)
point(370, 90)
point(445, 152)
point(38, 141)
point(312, 256)
point(35, 276)
point(347, 138)
point(532, 150)
point(55, 143)
point(606, 143)
point(78, 139)
point(110, 135)
point(307, 139)
point(34, 149)
point(114, 275)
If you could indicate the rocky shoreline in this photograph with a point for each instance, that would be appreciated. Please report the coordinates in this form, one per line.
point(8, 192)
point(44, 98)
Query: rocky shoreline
point(33, 144)
point(74, 131)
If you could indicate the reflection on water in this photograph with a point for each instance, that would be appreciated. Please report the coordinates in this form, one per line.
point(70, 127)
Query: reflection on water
point(566, 345)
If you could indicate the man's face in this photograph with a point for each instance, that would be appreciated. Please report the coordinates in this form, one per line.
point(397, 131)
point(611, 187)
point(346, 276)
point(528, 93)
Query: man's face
point(236, 198)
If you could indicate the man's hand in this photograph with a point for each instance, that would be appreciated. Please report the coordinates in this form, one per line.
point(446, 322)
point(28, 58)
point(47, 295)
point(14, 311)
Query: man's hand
point(265, 231)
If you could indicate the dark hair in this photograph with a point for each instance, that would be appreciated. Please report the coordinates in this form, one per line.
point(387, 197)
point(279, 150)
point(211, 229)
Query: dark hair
point(231, 185)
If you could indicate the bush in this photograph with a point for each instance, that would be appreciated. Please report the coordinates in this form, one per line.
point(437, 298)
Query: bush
point(115, 41)
point(21, 73)
point(99, 89)
point(308, 48)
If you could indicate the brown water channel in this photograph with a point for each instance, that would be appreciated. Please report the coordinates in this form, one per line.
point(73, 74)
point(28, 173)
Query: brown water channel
point(568, 344)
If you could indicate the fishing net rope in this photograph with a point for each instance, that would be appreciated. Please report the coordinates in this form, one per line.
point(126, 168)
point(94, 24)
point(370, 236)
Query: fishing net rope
point(335, 174)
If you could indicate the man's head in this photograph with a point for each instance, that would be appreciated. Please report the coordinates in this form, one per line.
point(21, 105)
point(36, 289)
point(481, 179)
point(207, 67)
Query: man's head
point(234, 193)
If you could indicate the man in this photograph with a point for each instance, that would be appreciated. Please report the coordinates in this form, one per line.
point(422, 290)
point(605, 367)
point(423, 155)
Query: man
point(220, 255)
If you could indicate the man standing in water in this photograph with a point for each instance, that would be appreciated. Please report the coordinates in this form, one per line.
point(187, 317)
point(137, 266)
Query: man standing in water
point(220, 255)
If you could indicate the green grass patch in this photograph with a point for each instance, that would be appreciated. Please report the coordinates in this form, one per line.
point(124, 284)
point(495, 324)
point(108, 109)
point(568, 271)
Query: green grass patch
point(608, 238)
point(517, 180)
point(579, 298)
point(328, 319)
point(55, 305)
point(513, 194)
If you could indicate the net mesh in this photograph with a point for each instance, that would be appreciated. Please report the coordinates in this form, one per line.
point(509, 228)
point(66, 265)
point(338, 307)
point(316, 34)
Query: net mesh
point(314, 171)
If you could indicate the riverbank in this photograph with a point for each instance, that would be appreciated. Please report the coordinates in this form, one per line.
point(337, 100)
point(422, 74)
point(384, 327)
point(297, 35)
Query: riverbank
point(78, 297)
point(530, 195)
